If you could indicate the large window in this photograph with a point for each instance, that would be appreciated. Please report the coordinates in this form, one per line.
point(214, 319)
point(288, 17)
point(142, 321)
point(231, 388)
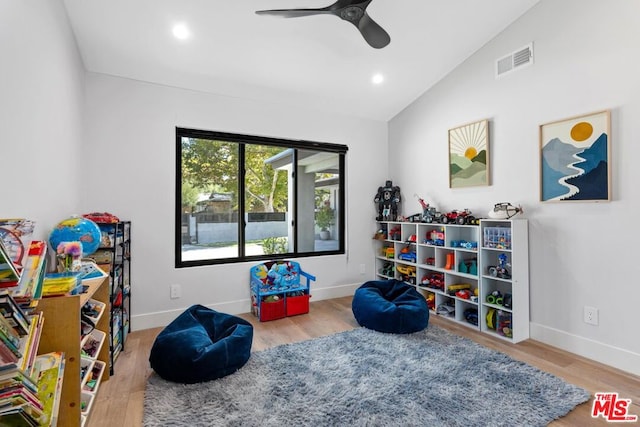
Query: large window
point(241, 198)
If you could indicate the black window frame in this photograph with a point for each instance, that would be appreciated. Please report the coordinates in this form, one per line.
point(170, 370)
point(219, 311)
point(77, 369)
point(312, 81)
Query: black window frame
point(244, 140)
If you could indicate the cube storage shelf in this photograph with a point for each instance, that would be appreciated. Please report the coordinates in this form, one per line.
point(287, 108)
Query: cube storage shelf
point(458, 268)
point(273, 298)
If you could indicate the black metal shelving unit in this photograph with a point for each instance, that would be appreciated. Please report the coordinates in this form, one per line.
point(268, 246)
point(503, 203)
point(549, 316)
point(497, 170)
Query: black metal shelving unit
point(114, 256)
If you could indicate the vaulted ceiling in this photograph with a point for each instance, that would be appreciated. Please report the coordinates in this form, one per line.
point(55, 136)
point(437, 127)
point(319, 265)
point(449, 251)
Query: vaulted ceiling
point(314, 61)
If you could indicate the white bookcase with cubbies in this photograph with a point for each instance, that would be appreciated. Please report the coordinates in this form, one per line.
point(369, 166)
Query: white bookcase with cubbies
point(505, 278)
point(457, 271)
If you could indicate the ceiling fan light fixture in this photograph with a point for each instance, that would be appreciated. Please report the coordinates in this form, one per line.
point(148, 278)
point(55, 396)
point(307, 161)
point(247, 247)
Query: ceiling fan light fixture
point(377, 79)
point(181, 32)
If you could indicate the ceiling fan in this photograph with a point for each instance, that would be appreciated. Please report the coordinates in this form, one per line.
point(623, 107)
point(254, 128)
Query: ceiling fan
point(354, 11)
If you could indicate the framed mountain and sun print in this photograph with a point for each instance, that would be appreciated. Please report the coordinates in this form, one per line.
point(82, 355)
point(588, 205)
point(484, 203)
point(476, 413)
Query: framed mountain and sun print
point(575, 159)
point(469, 155)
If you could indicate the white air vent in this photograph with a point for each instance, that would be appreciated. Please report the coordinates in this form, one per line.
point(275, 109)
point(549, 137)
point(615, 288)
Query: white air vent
point(515, 60)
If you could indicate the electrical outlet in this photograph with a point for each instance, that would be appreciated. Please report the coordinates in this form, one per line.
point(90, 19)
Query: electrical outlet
point(591, 315)
point(175, 291)
point(363, 268)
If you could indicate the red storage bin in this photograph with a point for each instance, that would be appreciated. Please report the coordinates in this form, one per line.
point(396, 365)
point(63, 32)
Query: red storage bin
point(272, 310)
point(298, 305)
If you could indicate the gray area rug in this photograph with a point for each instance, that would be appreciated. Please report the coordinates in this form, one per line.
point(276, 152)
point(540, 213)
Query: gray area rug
point(367, 378)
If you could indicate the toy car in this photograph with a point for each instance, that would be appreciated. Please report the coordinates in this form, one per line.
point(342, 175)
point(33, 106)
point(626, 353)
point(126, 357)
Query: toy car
point(459, 217)
point(387, 269)
point(407, 272)
point(395, 233)
point(389, 252)
point(471, 315)
point(429, 213)
point(464, 294)
point(434, 281)
point(452, 289)
point(406, 269)
point(408, 256)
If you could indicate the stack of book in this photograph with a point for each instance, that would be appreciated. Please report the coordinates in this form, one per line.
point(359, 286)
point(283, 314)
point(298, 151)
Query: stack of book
point(20, 403)
point(29, 383)
point(29, 288)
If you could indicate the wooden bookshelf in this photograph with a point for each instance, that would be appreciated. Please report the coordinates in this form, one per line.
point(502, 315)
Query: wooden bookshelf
point(61, 332)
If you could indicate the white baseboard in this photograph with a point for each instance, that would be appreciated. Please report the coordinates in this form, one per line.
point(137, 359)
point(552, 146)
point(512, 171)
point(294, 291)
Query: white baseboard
point(161, 319)
point(603, 353)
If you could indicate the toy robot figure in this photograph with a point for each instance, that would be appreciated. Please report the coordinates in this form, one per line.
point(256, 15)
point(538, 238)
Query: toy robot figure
point(387, 199)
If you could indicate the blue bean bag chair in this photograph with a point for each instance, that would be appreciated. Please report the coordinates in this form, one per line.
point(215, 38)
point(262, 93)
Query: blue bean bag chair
point(201, 345)
point(390, 306)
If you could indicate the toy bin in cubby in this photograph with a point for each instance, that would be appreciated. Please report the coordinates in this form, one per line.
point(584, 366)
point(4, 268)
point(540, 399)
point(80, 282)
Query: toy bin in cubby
point(277, 290)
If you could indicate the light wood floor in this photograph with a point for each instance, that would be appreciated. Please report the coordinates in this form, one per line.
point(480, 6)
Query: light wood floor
point(120, 400)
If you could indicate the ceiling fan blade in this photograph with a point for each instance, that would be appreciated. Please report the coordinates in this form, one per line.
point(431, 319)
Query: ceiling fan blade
point(373, 33)
point(293, 13)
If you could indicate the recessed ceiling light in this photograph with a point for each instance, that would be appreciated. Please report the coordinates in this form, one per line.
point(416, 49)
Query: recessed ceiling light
point(180, 31)
point(377, 79)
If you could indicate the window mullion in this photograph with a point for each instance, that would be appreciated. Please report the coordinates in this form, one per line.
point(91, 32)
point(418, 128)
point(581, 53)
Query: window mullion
point(242, 172)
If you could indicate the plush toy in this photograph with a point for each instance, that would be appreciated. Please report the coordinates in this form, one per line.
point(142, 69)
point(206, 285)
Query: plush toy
point(282, 275)
point(261, 272)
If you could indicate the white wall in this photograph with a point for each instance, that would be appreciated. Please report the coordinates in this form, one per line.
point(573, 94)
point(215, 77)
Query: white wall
point(130, 171)
point(586, 59)
point(41, 98)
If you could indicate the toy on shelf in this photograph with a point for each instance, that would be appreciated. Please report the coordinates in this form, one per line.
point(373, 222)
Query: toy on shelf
point(407, 273)
point(389, 252)
point(497, 237)
point(407, 254)
point(447, 308)
point(431, 300)
point(435, 238)
point(387, 269)
point(395, 234)
point(468, 266)
point(495, 297)
point(380, 235)
point(387, 198)
point(504, 210)
point(429, 213)
point(471, 316)
point(464, 244)
point(433, 281)
point(459, 217)
point(450, 261)
point(500, 270)
point(454, 289)
point(503, 324)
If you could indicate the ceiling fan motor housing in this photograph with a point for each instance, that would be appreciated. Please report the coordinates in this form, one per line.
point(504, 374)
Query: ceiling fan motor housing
point(352, 13)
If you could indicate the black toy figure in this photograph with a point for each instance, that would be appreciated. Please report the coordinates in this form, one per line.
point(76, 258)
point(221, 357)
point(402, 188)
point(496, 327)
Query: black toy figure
point(387, 198)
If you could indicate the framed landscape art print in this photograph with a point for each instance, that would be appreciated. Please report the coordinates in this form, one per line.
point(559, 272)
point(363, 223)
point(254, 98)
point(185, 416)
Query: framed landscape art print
point(575, 159)
point(469, 155)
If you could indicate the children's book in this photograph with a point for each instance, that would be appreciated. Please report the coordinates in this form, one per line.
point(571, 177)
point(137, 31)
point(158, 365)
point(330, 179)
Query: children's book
point(16, 233)
point(32, 274)
point(9, 274)
point(19, 416)
point(49, 370)
point(13, 313)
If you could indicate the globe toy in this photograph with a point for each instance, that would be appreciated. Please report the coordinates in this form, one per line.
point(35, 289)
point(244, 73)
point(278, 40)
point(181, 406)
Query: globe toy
point(77, 229)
